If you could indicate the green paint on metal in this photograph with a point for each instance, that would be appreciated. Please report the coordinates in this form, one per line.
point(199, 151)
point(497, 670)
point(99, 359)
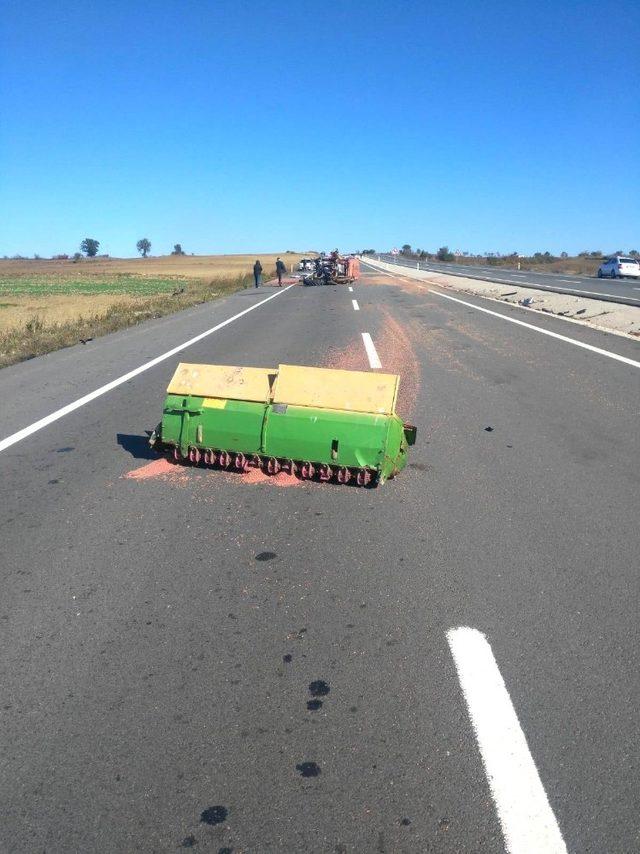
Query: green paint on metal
point(330, 436)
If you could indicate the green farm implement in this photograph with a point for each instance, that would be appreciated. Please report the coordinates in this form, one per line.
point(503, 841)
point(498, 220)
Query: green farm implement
point(309, 422)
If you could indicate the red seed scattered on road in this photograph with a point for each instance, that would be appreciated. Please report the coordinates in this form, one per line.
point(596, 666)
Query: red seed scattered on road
point(156, 468)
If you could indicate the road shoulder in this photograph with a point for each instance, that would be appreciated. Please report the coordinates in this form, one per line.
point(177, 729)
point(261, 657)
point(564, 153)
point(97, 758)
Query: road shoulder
point(605, 317)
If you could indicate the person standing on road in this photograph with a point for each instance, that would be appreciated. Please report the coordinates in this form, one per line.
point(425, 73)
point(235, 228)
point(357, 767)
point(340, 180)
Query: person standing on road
point(257, 273)
point(280, 270)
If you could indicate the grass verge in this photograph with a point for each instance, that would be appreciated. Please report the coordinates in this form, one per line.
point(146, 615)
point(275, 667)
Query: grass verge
point(35, 337)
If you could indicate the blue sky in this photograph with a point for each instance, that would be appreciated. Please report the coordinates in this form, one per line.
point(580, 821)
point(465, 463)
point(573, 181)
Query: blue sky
point(256, 126)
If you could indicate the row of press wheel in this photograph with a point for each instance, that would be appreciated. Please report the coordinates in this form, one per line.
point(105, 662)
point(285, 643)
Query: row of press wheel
point(304, 469)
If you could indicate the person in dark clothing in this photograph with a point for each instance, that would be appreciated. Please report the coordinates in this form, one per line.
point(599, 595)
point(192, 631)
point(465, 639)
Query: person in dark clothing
point(257, 273)
point(280, 271)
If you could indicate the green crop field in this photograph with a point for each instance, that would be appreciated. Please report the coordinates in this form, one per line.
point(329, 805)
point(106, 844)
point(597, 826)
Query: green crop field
point(122, 283)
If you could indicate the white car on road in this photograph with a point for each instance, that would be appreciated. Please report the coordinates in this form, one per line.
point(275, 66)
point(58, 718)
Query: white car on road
point(619, 266)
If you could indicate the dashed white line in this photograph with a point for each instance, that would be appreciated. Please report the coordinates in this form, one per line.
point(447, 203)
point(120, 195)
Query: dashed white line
point(372, 353)
point(356, 307)
point(87, 398)
point(350, 289)
point(528, 823)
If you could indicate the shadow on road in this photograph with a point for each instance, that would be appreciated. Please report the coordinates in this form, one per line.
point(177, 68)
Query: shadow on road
point(137, 446)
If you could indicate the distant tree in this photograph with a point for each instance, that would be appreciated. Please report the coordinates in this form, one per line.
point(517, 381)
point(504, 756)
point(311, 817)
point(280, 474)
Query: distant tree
point(584, 254)
point(177, 250)
point(77, 256)
point(564, 255)
point(596, 254)
point(443, 254)
point(143, 246)
point(406, 249)
point(634, 253)
point(618, 252)
point(423, 254)
point(90, 247)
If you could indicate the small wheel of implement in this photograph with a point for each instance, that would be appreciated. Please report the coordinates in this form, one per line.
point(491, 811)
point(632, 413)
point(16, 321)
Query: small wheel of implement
point(325, 472)
point(224, 459)
point(307, 470)
point(209, 457)
point(194, 456)
point(241, 462)
point(363, 478)
point(273, 466)
point(344, 475)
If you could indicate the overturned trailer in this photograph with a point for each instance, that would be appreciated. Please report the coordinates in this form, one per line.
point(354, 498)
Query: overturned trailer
point(334, 270)
point(314, 423)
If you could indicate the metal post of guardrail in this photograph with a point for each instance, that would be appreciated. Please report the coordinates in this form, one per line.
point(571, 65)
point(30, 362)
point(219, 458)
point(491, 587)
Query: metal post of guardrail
point(417, 265)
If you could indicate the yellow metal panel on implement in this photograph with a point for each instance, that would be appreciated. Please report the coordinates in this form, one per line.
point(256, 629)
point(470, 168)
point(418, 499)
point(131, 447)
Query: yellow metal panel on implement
point(324, 388)
point(223, 381)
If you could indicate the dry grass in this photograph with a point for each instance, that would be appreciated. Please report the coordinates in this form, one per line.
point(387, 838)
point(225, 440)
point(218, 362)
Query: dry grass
point(569, 266)
point(181, 266)
point(45, 305)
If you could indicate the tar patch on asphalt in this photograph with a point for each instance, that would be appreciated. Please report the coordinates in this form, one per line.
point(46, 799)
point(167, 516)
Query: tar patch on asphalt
point(214, 815)
point(309, 769)
point(319, 688)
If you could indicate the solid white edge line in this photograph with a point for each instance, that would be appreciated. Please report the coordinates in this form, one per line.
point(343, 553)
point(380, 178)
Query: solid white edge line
point(356, 307)
point(528, 823)
point(87, 398)
point(624, 359)
point(530, 284)
point(372, 353)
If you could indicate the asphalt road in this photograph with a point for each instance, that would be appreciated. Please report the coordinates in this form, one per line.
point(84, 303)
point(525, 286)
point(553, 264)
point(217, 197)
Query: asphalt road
point(164, 628)
point(625, 291)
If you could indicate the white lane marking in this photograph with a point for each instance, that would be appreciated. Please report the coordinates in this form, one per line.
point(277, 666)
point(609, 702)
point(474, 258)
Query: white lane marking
point(542, 331)
point(356, 307)
point(573, 281)
point(610, 297)
point(528, 823)
point(87, 398)
point(350, 289)
point(600, 351)
point(372, 353)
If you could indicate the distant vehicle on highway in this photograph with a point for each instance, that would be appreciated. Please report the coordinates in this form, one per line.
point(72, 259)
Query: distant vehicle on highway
point(619, 266)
